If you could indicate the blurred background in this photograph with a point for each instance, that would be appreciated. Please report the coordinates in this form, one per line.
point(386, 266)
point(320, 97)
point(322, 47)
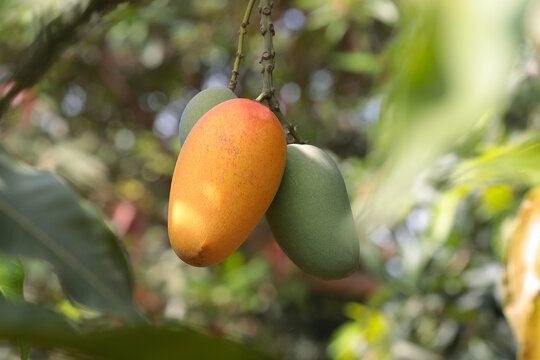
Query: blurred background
point(431, 110)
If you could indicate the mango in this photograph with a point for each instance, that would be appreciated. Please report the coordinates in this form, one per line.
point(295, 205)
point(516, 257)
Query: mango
point(226, 175)
point(199, 105)
point(311, 216)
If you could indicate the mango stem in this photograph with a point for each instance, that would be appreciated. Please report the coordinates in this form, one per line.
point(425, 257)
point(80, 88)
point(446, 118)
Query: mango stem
point(239, 52)
point(268, 65)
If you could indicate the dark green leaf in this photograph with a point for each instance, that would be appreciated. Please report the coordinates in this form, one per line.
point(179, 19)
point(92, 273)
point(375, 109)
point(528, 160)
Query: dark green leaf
point(41, 217)
point(171, 341)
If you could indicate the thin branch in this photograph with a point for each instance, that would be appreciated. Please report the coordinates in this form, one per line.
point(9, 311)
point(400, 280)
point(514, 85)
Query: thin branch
point(46, 47)
point(239, 52)
point(268, 64)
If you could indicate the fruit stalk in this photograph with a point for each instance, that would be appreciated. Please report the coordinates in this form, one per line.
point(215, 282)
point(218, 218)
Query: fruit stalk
point(268, 65)
point(239, 52)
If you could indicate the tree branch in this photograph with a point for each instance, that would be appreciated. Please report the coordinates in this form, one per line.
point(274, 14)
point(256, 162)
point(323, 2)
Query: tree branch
point(268, 64)
point(239, 52)
point(46, 47)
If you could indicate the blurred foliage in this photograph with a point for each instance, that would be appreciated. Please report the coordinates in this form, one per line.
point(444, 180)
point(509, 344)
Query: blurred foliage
point(11, 289)
point(430, 107)
point(140, 341)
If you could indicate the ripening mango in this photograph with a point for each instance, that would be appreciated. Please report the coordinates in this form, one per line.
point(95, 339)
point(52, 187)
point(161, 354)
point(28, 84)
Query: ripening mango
point(226, 176)
point(522, 275)
point(199, 105)
point(311, 216)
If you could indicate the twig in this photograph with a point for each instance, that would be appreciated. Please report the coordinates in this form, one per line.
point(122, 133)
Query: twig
point(239, 52)
point(45, 49)
point(268, 64)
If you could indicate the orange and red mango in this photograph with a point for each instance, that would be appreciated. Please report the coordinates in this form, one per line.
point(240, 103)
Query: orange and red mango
point(225, 178)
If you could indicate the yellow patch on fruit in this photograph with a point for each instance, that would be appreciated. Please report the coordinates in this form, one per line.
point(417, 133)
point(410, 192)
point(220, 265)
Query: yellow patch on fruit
point(226, 176)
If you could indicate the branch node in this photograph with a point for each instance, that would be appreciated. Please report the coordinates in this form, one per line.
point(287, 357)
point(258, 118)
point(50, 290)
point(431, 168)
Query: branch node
point(267, 62)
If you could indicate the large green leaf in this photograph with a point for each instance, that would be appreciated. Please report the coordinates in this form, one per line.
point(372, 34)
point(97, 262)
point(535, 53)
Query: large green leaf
point(141, 342)
point(41, 217)
point(441, 90)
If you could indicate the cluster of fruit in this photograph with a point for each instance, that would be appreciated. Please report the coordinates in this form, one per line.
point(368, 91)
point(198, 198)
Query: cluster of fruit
point(235, 166)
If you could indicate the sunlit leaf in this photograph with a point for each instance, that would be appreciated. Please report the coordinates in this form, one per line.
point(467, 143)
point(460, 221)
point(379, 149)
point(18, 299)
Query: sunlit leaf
point(441, 88)
point(41, 217)
point(142, 342)
point(522, 278)
point(445, 214)
point(364, 338)
point(496, 199)
point(518, 164)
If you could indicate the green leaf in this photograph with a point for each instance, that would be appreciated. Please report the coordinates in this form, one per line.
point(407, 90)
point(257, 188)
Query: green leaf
point(11, 289)
point(11, 279)
point(510, 164)
point(366, 337)
point(440, 91)
point(445, 215)
point(356, 62)
point(41, 217)
point(141, 342)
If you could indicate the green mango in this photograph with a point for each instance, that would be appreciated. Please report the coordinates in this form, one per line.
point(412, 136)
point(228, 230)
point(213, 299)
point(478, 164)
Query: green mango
point(199, 105)
point(311, 216)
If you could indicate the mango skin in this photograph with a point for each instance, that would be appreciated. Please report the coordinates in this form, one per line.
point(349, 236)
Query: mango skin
point(226, 176)
point(311, 216)
point(199, 105)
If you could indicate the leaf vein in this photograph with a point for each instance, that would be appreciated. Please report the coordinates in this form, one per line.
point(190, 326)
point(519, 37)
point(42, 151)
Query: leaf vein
point(41, 236)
